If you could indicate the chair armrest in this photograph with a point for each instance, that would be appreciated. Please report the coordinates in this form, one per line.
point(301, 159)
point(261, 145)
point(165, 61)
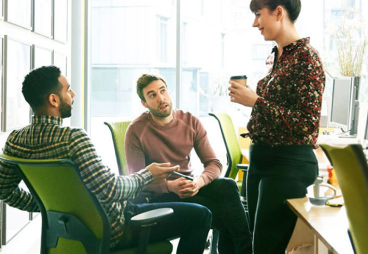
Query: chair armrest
point(243, 167)
point(149, 217)
point(145, 221)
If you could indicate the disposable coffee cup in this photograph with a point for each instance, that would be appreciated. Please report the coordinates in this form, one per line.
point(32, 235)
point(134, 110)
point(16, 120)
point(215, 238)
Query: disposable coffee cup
point(241, 79)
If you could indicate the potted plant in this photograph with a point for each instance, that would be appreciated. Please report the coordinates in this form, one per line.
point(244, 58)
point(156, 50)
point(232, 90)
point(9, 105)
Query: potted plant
point(351, 44)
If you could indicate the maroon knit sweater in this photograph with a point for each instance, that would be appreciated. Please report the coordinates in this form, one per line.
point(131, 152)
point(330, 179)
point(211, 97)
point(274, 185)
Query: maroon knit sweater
point(148, 142)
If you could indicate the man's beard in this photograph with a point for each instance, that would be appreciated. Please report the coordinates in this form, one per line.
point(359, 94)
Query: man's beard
point(157, 113)
point(65, 109)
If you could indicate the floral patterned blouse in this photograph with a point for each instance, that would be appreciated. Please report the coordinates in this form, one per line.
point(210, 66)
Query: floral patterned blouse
point(289, 107)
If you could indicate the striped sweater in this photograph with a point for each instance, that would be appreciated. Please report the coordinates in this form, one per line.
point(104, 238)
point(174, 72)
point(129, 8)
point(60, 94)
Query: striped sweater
point(46, 139)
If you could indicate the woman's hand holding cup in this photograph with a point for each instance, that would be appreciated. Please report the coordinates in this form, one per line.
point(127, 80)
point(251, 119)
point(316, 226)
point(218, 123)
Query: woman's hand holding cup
point(240, 92)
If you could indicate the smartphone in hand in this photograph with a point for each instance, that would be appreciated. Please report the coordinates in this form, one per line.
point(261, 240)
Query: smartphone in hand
point(182, 175)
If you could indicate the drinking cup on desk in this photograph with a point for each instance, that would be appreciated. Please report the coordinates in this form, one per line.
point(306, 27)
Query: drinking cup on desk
point(241, 79)
point(317, 198)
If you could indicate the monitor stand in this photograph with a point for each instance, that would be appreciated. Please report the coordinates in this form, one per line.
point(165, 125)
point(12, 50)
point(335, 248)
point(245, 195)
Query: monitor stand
point(354, 118)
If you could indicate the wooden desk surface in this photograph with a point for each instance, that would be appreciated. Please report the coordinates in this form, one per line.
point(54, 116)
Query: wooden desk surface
point(329, 223)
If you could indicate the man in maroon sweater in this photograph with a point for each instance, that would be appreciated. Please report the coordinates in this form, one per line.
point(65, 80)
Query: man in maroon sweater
point(166, 135)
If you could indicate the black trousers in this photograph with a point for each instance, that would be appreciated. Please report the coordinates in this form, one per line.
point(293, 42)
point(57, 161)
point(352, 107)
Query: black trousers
point(222, 198)
point(276, 174)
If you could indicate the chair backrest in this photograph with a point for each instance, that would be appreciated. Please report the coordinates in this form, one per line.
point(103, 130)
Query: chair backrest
point(233, 150)
point(351, 169)
point(118, 130)
point(73, 221)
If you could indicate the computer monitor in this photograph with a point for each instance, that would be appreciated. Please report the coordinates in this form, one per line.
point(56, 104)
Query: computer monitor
point(344, 107)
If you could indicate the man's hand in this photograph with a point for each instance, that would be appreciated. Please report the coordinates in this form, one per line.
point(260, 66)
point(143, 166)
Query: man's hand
point(199, 182)
point(183, 188)
point(161, 171)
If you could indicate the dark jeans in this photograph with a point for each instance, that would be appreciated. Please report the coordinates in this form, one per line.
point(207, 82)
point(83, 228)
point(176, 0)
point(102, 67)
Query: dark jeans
point(221, 196)
point(190, 222)
point(276, 174)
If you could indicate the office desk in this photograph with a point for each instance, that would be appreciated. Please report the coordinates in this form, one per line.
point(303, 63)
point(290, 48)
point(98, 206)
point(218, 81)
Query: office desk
point(328, 224)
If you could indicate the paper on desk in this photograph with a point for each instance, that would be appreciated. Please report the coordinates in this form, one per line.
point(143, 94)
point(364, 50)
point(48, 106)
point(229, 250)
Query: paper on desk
point(339, 201)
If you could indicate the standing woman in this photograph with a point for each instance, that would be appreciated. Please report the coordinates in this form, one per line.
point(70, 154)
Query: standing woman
point(283, 126)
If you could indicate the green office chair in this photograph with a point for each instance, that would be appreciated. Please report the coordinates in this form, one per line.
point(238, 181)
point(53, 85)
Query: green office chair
point(350, 165)
point(234, 158)
point(118, 130)
point(73, 221)
point(233, 151)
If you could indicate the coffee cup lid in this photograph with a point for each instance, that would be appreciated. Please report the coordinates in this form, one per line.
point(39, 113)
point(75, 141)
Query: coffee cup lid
point(239, 77)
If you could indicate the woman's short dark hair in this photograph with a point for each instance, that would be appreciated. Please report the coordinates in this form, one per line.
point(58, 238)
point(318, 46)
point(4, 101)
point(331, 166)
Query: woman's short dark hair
point(39, 84)
point(293, 7)
point(144, 81)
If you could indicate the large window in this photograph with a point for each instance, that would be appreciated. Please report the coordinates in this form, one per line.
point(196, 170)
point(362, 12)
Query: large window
point(196, 56)
point(128, 38)
point(213, 40)
point(28, 38)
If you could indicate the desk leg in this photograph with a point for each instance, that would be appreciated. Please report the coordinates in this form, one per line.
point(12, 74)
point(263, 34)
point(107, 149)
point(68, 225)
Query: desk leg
point(302, 236)
point(320, 248)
